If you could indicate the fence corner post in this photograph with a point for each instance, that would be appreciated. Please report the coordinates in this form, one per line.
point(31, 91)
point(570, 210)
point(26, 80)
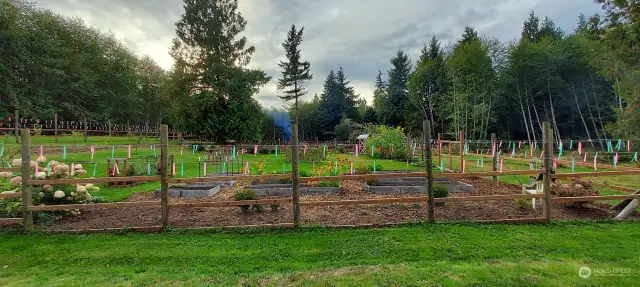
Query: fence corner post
point(164, 185)
point(27, 216)
point(547, 137)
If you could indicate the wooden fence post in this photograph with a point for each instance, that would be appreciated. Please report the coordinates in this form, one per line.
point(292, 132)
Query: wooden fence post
point(17, 125)
point(294, 175)
point(547, 138)
point(55, 126)
point(109, 123)
point(494, 160)
point(86, 129)
point(164, 185)
point(426, 127)
point(27, 216)
point(461, 150)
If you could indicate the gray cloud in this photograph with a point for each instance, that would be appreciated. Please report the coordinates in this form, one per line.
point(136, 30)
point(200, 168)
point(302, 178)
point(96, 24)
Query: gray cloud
point(359, 35)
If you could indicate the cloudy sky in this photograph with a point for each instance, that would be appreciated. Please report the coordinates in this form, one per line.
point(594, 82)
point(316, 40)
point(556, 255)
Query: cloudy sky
point(359, 35)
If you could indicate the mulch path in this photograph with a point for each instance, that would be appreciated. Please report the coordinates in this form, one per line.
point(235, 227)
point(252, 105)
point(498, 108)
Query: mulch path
point(328, 215)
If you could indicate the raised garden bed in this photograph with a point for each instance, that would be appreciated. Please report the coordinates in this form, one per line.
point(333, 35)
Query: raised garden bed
point(413, 185)
point(279, 189)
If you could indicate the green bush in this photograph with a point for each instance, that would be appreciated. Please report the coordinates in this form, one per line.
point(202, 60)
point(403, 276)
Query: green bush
point(523, 203)
point(329, 184)
point(440, 191)
point(264, 150)
point(364, 169)
point(245, 194)
point(341, 149)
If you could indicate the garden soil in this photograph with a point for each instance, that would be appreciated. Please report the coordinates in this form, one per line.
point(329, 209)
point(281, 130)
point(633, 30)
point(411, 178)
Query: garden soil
point(329, 215)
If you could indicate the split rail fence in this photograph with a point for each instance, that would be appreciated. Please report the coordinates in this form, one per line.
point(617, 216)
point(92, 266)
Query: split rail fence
point(166, 206)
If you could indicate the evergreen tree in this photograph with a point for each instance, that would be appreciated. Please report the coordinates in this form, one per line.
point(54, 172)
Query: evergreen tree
point(469, 35)
point(396, 98)
point(294, 73)
point(331, 103)
point(347, 96)
point(379, 96)
point(530, 28)
point(549, 29)
point(217, 102)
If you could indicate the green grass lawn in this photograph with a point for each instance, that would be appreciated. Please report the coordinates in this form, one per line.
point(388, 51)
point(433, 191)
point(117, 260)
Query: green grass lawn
point(415, 255)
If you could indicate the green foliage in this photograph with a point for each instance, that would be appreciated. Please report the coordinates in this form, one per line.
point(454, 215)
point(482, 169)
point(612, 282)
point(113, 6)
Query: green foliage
point(329, 184)
point(523, 203)
point(73, 70)
point(245, 194)
point(382, 137)
point(212, 86)
point(396, 98)
point(440, 190)
point(338, 99)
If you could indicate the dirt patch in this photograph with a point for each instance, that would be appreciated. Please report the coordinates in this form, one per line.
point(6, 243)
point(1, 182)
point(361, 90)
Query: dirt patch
point(329, 215)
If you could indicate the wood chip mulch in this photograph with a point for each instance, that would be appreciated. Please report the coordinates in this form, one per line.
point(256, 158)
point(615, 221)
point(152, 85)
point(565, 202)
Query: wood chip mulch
point(329, 215)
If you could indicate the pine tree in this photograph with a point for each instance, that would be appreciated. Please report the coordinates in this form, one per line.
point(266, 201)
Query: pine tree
point(549, 29)
point(379, 95)
point(530, 28)
point(469, 35)
point(210, 63)
point(396, 99)
point(347, 96)
point(331, 103)
point(294, 73)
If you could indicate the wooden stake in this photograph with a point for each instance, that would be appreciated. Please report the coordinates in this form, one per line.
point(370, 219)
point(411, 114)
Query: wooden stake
point(109, 123)
point(16, 121)
point(426, 130)
point(164, 175)
point(450, 156)
point(86, 128)
point(27, 216)
point(55, 125)
point(494, 159)
point(461, 149)
point(438, 148)
point(547, 139)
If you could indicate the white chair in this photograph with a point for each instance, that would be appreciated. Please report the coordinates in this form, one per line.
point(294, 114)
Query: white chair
point(535, 188)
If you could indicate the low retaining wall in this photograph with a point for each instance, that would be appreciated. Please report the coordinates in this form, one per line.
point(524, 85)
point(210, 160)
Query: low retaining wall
point(287, 189)
point(190, 192)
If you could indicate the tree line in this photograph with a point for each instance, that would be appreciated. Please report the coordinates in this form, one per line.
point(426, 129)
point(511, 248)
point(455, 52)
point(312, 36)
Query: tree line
point(584, 81)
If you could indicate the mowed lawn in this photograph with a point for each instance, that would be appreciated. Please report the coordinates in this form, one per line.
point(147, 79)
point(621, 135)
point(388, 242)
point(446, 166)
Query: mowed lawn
point(413, 255)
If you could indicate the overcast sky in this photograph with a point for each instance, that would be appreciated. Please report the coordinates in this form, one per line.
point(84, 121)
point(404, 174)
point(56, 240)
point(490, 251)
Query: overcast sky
point(359, 35)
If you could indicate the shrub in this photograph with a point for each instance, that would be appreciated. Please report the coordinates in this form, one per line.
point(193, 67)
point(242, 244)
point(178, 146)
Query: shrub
point(364, 169)
point(312, 154)
point(523, 203)
point(440, 191)
point(329, 184)
point(264, 150)
point(245, 194)
point(341, 149)
point(275, 207)
point(305, 173)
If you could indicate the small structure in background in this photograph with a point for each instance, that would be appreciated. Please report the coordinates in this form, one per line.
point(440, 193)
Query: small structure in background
point(362, 139)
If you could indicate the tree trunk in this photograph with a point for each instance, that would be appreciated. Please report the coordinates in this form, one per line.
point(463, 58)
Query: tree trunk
point(575, 96)
point(526, 125)
point(553, 114)
point(533, 130)
point(294, 167)
point(604, 132)
point(593, 121)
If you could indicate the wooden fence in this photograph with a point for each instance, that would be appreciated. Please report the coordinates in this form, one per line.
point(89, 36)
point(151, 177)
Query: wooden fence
point(163, 203)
